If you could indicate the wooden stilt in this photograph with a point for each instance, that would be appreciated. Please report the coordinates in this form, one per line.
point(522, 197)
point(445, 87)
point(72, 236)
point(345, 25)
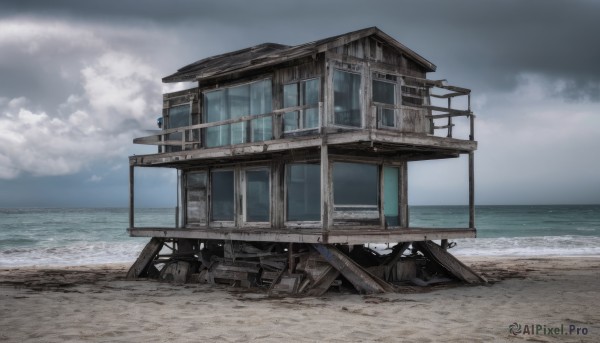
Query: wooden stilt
point(449, 262)
point(144, 261)
point(362, 280)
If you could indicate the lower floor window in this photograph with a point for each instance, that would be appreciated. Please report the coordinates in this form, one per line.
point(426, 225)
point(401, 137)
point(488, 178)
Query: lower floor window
point(303, 182)
point(222, 192)
point(258, 195)
point(355, 186)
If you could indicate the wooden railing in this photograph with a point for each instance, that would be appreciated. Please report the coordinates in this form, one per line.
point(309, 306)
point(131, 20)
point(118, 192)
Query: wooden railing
point(437, 112)
point(192, 134)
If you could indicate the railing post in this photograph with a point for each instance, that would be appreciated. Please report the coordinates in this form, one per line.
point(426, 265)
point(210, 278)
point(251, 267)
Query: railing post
point(471, 120)
point(449, 118)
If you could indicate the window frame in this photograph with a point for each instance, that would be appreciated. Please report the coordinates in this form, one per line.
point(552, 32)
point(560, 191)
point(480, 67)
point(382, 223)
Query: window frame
point(185, 191)
point(223, 223)
point(372, 210)
point(299, 223)
point(380, 106)
point(248, 132)
point(301, 113)
point(244, 200)
point(357, 70)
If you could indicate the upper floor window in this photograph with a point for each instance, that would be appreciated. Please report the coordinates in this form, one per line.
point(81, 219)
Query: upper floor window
point(234, 102)
point(177, 116)
point(346, 99)
point(384, 98)
point(303, 93)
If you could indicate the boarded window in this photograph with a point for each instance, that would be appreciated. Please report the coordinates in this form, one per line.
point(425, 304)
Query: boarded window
point(257, 196)
point(355, 186)
point(413, 95)
point(235, 102)
point(384, 94)
point(222, 195)
point(301, 94)
point(346, 98)
point(390, 195)
point(196, 198)
point(303, 183)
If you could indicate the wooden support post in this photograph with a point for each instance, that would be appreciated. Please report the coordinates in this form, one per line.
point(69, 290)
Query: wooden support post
point(449, 262)
point(326, 206)
point(291, 261)
point(471, 190)
point(144, 262)
point(403, 195)
point(444, 244)
point(131, 197)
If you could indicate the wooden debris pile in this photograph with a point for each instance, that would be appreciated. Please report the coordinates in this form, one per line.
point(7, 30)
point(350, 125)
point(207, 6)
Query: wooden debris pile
point(307, 269)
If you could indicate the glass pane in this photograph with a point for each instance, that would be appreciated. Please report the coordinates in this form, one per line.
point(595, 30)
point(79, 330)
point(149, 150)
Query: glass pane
point(214, 106)
point(260, 97)
point(383, 92)
point(179, 116)
point(346, 98)
point(387, 117)
point(390, 193)
point(222, 195)
point(311, 92)
point(303, 192)
point(290, 121)
point(261, 129)
point(239, 106)
point(311, 118)
point(257, 196)
point(355, 186)
point(196, 198)
point(290, 95)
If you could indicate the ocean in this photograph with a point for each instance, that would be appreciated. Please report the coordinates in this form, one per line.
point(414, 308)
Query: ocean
point(60, 237)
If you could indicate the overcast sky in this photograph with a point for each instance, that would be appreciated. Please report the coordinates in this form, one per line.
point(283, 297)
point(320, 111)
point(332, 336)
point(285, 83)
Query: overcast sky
point(80, 79)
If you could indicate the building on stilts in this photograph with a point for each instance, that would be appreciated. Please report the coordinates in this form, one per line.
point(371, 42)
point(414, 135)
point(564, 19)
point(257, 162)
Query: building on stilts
point(291, 160)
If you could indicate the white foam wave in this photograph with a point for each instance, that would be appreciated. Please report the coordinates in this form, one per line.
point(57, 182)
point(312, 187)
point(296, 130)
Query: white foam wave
point(522, 246)
point(72, 255)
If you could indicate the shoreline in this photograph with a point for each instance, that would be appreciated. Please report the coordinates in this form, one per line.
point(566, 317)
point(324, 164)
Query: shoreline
point(95, 303)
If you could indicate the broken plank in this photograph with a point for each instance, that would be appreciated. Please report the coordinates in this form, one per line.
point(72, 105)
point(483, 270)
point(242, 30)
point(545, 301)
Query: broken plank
point(144, 261)
point(361, 279)
point(449, 262)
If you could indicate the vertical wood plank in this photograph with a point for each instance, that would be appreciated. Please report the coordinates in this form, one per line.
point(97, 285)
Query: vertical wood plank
point(471, 190)
point(326, 215)
point(381, 196)
point(131, 196)
point(403, 203)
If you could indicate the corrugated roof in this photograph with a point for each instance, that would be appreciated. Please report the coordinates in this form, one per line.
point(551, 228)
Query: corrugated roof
point(271, 53)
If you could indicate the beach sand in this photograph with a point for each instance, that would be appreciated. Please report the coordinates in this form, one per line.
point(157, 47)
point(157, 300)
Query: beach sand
point(94, 303)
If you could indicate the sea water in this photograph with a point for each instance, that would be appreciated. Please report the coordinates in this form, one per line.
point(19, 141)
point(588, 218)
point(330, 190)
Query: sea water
point(46, 236)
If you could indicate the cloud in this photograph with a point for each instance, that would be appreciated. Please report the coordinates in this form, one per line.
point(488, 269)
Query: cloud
point(113, 94)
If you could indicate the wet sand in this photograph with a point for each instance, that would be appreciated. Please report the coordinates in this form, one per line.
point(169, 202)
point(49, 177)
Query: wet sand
point(95, 303)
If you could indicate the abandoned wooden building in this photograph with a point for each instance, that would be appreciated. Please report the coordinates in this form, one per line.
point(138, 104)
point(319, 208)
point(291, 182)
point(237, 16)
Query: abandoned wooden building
point(290, 159)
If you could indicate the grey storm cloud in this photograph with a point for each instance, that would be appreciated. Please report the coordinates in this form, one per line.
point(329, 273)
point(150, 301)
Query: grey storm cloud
point(496, 39)
point(80, 79)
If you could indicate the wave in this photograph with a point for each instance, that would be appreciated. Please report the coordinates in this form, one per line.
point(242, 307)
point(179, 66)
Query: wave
point(72, 255)
point(85, 253)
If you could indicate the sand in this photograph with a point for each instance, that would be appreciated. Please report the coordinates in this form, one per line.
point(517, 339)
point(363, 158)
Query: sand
point(94, 303)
